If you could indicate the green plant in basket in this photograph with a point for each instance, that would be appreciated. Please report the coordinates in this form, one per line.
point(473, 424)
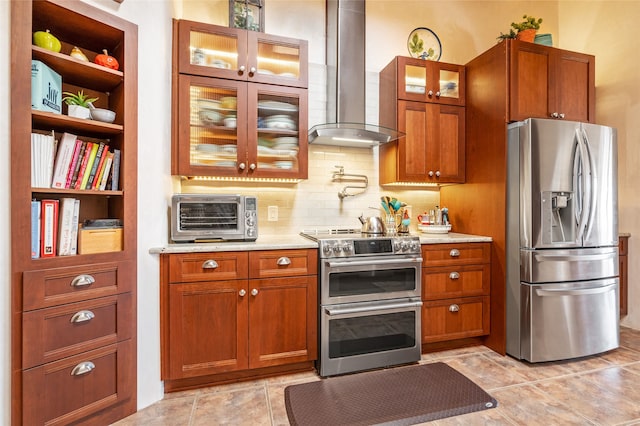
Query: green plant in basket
point(78, 99)
point(528, 23)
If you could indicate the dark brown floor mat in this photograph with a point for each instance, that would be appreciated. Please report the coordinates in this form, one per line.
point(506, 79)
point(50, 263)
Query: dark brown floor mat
point(397, 396)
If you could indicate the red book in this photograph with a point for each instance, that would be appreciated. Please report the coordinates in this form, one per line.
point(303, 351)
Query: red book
point(74, 161)
point(49, 221)
point(83, 165)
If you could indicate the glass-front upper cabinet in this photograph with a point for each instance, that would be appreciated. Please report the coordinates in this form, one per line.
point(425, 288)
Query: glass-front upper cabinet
point(237, 129)
point(238, 54)
point(430, 81)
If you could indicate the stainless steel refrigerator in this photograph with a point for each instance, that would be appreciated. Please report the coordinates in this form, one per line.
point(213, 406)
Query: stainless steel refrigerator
point(562, 240)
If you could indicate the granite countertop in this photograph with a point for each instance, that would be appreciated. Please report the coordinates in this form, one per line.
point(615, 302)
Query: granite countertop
point(296, 241)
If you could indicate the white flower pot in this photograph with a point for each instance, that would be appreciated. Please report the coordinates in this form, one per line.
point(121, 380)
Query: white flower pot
point(78, 111)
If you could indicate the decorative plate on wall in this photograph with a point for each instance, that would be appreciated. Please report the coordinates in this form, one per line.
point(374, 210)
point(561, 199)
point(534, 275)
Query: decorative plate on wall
point(424, 44)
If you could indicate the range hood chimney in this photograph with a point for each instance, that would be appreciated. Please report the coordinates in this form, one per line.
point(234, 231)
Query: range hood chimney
point(346, 81)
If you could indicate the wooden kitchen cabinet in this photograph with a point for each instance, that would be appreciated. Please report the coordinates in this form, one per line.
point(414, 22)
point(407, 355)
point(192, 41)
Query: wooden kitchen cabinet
point(231, 121)
point(73, 323)
point(455, 291)
point(253, 314)
point(208, 144)
point(425, 100)
point(237, 54)
point(546, 82)
point(623, 252)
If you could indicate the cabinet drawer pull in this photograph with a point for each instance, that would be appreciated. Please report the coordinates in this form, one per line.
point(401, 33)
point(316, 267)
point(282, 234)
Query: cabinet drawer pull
point(254, 292)
point(454, 275)
point(454, 308)
point(284, 261)
point(210, 264)
point(82, 316)
point(82, 280)
point(242, 292)
point(83, 368)
point(454, 253)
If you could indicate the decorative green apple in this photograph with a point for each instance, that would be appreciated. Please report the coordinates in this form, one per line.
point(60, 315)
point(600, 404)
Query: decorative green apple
point(46, 40)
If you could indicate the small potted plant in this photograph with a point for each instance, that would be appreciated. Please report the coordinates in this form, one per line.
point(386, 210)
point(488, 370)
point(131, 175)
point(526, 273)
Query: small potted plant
point(78, 104)
point(525, 30)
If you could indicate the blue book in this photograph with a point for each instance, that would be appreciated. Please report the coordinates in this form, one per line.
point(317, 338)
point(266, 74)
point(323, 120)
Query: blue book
point(35, 229)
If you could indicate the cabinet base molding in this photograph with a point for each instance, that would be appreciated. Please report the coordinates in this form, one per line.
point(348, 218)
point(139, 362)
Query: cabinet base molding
point(236, 376)
point(452, 344)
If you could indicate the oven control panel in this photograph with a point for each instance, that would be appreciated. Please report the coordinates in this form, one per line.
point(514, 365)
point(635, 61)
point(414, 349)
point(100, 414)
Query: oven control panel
point(369, 247)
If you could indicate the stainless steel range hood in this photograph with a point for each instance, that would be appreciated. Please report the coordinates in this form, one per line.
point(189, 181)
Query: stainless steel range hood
point(346, 80)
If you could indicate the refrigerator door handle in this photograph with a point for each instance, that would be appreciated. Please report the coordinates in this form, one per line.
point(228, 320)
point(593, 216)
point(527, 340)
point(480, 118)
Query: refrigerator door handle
point(592, 182)
point(584, 185)
point(573, 258)
point(576, 292)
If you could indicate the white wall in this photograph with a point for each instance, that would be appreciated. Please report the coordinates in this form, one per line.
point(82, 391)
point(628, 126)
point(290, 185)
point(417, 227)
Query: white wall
point(5, 226)
point(466, 28)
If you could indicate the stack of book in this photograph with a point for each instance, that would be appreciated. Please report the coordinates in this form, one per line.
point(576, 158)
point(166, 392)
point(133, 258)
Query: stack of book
point(54, 227)
point(78, 164)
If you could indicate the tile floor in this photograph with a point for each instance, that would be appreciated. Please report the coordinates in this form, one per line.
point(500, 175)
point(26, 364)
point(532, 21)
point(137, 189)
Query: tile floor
point(597, 390)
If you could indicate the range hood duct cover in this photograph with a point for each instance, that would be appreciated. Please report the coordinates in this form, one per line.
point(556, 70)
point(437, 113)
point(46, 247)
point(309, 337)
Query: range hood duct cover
point(346, 81)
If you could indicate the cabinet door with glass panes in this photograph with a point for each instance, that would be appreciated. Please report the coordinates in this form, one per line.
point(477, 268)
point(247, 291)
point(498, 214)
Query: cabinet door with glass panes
point(429, 81)
point(236, 129)
point(277, 131)
point(238, 54)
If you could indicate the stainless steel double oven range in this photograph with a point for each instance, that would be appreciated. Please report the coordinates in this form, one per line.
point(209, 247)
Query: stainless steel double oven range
point(370, 304)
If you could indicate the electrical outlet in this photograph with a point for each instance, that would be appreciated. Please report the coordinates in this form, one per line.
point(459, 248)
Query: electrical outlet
point(272, 213)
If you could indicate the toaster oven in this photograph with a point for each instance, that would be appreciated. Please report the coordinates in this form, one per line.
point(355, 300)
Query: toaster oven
point(207, 217)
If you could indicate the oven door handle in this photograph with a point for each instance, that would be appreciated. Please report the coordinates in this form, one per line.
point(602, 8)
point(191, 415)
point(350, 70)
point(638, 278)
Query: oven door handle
point(356, 310)
point(357, 263)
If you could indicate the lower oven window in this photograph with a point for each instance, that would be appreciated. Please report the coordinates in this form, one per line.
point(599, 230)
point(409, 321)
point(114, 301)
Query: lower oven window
point(371, 333)
point(371, 282)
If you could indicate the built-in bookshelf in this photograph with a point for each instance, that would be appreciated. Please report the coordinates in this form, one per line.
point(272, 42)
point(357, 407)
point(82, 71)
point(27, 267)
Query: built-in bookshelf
point(81, 283)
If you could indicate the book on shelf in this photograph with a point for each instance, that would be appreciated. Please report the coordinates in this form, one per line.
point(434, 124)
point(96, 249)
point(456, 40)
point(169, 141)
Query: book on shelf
point(66, 225)
point(43, 148)
point(106, 171)
point(72, 163)
point(90, 162)
point(63, 160)
point(76, 168)
point(75, 223)
point(115, 174)
point(35, 229)
point(94, 178)
point(49, 228)
point(83, 165)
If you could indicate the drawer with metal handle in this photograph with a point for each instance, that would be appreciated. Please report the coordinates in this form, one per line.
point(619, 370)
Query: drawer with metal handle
point(61, 331)
point(70, 389)
point(455, 254)
point(458, 318)
point(54, 286)
point(444, 282)
point(192, 267)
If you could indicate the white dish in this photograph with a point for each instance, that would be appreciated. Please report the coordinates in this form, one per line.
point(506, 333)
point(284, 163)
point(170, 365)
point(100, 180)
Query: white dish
point(434, 229)
point(276, 106)
point(208, 104)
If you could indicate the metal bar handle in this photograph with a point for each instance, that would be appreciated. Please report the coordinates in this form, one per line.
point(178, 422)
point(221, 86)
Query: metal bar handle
point(284, 261)
point(82, 316)
point(577, 292)
point(82, 280)
point(210, 264)
point(399, 262)
point(574, 258)
point(83, 368)
point(370, 308)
